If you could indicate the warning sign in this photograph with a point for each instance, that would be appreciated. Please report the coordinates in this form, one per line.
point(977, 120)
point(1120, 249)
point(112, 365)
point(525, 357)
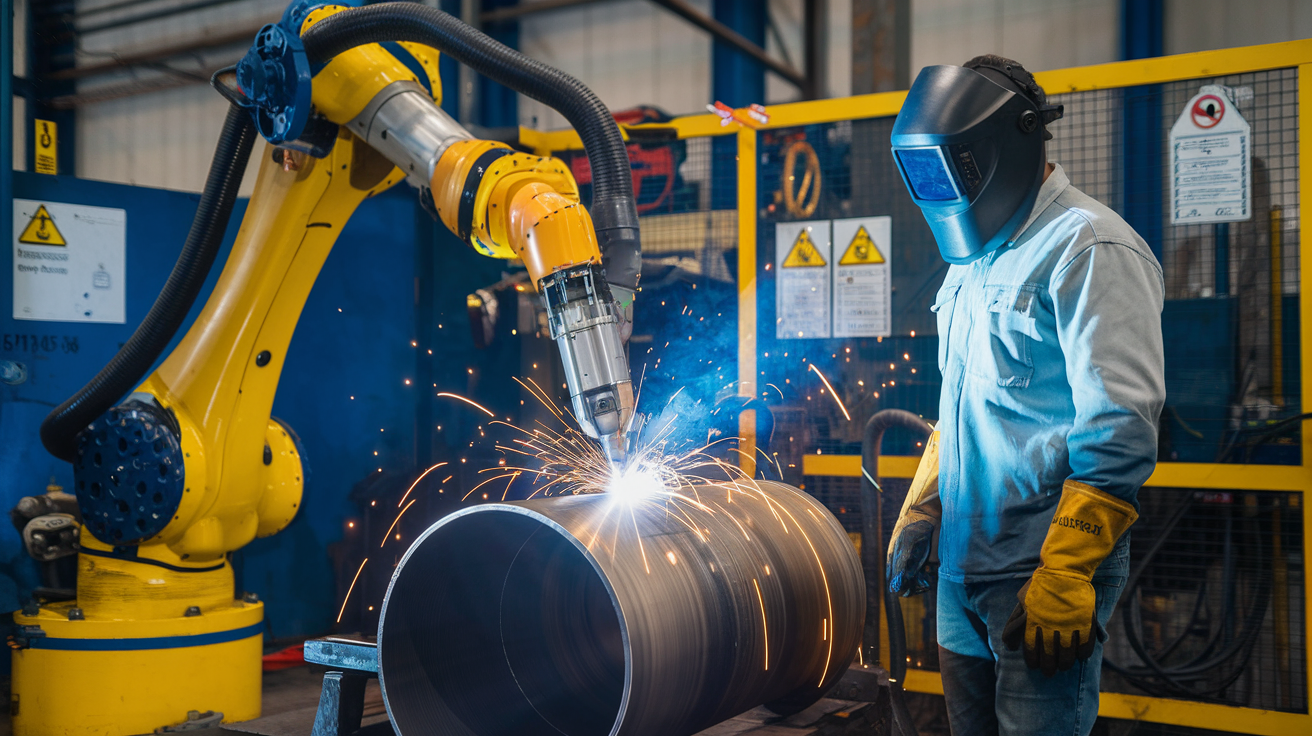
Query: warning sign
point(803, 252)
point(861, 284)
point(41, 230)
point(1207, 111)
point(1211, 160)
point(47, 145)
point(861, 251)
point(69, 262)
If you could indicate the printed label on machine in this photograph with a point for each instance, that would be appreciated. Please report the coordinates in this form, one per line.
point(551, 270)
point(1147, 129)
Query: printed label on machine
point(802, 255)
point(69, 262)
point(862, 297)
point(1211, 160)
point(46, 136)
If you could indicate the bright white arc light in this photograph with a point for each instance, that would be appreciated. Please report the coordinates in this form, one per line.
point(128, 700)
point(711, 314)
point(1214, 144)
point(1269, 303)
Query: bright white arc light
point(635, 484)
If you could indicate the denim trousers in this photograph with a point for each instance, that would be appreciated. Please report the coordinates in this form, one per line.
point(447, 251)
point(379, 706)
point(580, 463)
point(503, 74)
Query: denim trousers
point(988, 688)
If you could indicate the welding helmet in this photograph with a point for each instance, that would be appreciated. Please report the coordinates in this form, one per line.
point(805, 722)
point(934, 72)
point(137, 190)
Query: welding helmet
point(969, 145)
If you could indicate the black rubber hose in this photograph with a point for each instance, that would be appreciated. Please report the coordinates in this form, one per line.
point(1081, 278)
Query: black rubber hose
point(872, 561)
point(1175, 680)
point(60, 429)
point(872, 556)
point(897, 652)
point(614, 210)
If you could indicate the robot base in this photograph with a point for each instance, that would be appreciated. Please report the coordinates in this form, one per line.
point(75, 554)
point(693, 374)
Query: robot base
point(121, 677)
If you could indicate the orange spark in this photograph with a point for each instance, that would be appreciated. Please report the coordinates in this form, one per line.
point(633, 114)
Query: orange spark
point(412, 485)
point(348, 590)
point(832, 392)
point(765, 632)
point(398, 518)
point(471, 402)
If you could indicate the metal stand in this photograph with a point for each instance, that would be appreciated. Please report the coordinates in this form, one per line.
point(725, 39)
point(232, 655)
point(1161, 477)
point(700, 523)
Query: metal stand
point(341, 702)
point(863, 690)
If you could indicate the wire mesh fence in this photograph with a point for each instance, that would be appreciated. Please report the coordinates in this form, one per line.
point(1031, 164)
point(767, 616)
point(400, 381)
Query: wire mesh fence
point(834, 171)
point(684, 348)
point(1231, 318)
point(1213, 610)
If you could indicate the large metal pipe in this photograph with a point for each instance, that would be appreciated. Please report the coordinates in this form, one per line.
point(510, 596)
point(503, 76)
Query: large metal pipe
point(611, 614)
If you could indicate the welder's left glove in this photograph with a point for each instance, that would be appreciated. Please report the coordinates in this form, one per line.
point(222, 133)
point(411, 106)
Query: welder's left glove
point(909, 547)
point(1055, 619)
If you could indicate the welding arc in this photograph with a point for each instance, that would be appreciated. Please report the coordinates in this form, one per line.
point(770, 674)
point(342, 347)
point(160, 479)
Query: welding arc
point(560, 628)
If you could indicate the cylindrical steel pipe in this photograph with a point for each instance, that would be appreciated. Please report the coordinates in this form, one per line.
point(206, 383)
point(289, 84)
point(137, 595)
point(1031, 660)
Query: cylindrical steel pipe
point(619, 614)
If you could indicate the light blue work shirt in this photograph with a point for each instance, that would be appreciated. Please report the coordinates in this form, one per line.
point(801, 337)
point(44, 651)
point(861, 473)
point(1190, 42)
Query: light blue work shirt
point(1051, 354)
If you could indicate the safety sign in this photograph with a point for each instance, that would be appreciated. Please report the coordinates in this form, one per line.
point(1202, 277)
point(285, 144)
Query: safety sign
point(804, 254)
point(41, 230)
point(47, 145)
point(1211, 160)
point(862, 278)
point(862, 251)
point(802, 294)
point(69, 262)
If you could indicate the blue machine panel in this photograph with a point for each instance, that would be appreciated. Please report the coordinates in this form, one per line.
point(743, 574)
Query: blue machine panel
point(343, 387)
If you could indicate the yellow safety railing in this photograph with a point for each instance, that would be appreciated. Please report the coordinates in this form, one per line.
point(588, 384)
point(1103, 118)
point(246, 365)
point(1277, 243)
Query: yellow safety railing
point(1287, 478)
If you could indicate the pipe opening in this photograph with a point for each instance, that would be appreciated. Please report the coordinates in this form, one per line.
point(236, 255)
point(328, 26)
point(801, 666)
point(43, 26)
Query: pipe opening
point(498, 622)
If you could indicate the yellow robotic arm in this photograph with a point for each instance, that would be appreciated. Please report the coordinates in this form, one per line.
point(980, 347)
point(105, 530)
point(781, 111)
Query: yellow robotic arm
point(240, 470)
point(191, 467)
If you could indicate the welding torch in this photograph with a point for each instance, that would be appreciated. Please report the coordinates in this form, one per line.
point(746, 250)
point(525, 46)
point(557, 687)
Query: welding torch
point(510, 204)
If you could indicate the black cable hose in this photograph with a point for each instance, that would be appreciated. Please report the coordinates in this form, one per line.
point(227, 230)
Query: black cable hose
point(60, 428)
point(1159, 679)
point(613, 209)
point(897, 652)
point(872, 559)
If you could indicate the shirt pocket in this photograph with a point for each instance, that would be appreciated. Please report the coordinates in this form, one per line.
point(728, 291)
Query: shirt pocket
point(943, 305)
point(1010, 312)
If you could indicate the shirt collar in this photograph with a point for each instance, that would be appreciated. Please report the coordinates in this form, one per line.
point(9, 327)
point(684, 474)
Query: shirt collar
point(1052, 188)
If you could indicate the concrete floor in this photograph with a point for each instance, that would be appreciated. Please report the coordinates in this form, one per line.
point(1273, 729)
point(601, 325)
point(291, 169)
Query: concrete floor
point(291, 697)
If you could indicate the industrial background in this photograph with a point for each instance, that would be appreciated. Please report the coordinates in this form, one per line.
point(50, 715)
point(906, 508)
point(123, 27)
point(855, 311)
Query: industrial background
point(1212, 637)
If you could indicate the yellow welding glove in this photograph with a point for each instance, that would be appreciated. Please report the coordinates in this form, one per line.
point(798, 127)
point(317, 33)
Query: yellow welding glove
point(1055, 619)
point(908, 548)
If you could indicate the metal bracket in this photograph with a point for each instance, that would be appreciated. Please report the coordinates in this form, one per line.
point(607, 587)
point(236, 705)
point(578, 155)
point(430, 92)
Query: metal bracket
point(341, 702)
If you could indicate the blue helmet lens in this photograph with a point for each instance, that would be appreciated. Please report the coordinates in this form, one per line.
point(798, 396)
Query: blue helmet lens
point(928, 174)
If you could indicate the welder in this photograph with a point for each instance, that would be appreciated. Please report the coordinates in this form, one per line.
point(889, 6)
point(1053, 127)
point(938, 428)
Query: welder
point(1050, 346)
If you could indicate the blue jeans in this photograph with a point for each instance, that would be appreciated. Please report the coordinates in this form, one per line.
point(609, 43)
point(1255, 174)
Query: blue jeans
point(989, 689)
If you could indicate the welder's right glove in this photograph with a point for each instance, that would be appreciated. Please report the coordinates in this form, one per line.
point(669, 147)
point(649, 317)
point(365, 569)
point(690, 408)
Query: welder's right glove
point(1055, 619)
point(909, 546)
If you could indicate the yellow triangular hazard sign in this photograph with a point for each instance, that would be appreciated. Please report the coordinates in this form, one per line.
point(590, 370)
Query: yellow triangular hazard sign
point(862, 251)
point(804, 253)
point(41, 230)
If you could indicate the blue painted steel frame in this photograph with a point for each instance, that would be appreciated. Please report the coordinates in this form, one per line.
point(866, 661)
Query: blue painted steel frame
point(1142, 33)
point(737, 80)
point(450, 69)
point(498, 106)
